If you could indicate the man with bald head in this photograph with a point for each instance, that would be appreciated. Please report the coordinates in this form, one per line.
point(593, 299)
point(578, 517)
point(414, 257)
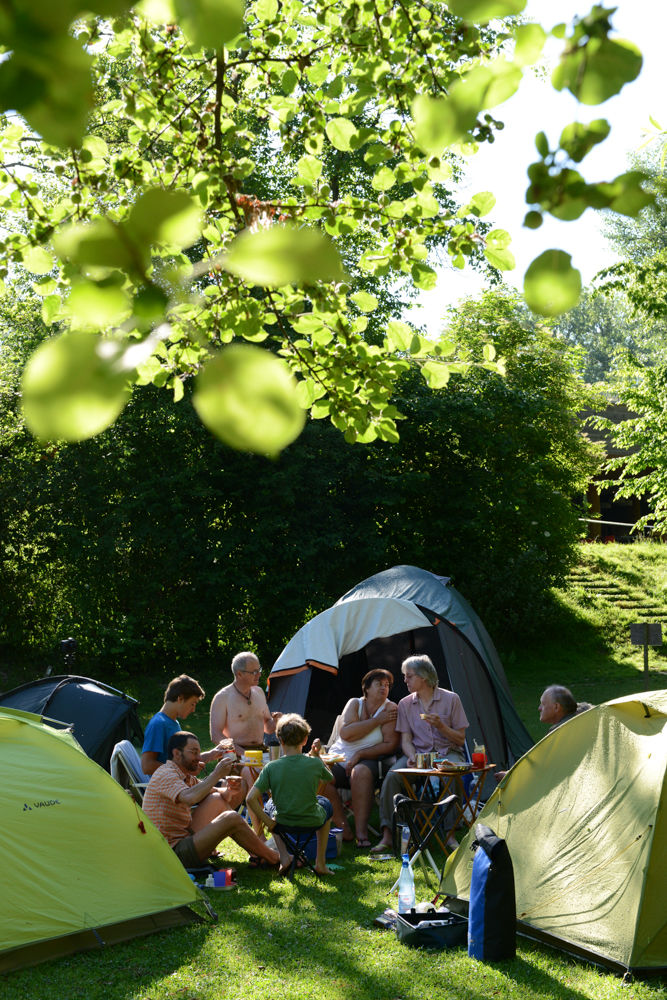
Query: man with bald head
point(557, 705)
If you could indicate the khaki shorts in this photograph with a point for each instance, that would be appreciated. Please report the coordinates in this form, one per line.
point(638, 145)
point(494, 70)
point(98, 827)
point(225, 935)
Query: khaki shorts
point(186, 852)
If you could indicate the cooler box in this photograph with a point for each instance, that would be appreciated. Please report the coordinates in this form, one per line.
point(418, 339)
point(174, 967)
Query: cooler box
point(433, 929)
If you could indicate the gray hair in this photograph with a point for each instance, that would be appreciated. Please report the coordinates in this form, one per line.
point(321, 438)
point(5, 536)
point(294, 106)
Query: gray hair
point(423, 667)
point(563, 697)
point(242, 660)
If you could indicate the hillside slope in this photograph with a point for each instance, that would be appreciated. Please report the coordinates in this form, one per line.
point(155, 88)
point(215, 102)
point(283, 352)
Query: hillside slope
point(585, 644)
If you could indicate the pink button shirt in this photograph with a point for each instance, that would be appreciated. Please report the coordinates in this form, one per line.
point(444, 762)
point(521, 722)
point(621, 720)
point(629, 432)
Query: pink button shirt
point(425, 737)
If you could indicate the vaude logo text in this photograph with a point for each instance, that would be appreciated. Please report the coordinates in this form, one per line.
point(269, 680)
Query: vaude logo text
point(41, 805)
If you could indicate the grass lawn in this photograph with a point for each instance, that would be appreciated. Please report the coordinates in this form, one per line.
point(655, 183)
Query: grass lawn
point(315, 939)
point(310, 939)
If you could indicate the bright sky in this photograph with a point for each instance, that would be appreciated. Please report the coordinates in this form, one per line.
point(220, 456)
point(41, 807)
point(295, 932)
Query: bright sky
point(501, 168)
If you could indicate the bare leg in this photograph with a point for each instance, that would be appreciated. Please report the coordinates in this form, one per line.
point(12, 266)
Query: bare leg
point(321, 857)
point(362, 784)
point(208, 809)
point(249, 776)
point(285, 856)
point(229, 824)
point(339, 818)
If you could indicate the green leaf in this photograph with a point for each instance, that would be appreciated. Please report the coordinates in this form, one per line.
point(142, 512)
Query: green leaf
point(598, 70)
point(481, 11)
point(94, 153)
point(209, 24)
point(577, 139)
point(51, 309)
point(626, 194)
point(38, 261)
point(248, 398)
point(424, 276)
point(309, 169)
point(97, 244)
point(530, 39)
point(551, 285)
point(399, 336)
point(501, 258)
point(489, 352)
point(383, 179)
point(482, 203)
point(497, 250)
point(95, 307)
point(364, 301)
point(542, 144)
point(487, 86)
point(341, 134)
point(266, 10)
point(73, 388)
point(170, 217)
point(436, 374)
point(284, 255)
point(440, 122)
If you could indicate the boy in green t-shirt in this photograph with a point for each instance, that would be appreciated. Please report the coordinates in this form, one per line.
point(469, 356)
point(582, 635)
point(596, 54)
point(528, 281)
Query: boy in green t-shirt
point(293, 781)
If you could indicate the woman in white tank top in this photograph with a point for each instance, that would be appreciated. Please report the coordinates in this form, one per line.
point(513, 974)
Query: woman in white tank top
point(366, 733)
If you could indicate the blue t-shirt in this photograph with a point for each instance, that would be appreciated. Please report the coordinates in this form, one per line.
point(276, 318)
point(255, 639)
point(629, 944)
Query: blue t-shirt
point(159, 731)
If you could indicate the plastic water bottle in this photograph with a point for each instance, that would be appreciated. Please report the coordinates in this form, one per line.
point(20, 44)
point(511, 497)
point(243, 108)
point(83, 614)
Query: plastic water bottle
point(406, 887)
point(210, 882)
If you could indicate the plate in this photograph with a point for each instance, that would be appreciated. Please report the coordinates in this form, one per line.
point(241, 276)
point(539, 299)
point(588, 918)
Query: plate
point(449, 766)
point(334, 758)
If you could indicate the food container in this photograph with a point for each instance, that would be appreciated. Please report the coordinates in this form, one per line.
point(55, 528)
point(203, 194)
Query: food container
point(434, 929)
point(254, 757)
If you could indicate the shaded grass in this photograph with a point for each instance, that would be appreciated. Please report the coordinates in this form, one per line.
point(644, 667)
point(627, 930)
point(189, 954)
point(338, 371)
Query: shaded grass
point(310, 939)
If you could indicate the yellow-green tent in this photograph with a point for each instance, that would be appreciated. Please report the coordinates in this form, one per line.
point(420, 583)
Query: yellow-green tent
point(80, 865)
point(585, 820)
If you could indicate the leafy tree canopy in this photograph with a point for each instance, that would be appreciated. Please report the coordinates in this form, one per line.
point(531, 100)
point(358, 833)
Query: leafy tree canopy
point(641, 242)
point(166, 247)
point(642, 468)
point(604, 325)
point(480, 483)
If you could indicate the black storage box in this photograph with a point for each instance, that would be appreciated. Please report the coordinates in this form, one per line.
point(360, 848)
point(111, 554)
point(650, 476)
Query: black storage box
point(433, 929)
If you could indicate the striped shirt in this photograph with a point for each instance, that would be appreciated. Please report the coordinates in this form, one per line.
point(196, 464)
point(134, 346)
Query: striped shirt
point(161, 805)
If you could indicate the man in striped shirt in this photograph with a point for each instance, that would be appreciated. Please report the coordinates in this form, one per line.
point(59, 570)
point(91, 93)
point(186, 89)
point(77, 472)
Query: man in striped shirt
point(174, 790)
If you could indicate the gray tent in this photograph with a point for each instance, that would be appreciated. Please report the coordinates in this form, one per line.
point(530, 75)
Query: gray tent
point(381, 621)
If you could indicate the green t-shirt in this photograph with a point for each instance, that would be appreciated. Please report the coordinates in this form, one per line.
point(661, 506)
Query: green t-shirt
point(293, 783)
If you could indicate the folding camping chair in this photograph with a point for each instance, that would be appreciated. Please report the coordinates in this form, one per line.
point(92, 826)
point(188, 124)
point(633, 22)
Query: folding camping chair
point(296, 839)
point(425, 820)
point(126, 770)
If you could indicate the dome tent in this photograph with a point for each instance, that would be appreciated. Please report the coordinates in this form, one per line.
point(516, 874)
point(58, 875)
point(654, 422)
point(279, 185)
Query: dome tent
point(584, 816)
point(381, 621)
point(99, 715)
point(81, 866)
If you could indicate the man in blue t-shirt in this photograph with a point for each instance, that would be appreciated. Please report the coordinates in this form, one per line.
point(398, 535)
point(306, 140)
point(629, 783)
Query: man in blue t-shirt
point(180, 700)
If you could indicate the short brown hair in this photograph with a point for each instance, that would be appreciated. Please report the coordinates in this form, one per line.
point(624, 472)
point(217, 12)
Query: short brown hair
point(178, 741)
point(183, 687)
point(292, 729)
point(376, 675)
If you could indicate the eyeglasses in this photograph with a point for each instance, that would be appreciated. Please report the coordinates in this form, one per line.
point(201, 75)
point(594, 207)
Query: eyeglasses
point(252, 673)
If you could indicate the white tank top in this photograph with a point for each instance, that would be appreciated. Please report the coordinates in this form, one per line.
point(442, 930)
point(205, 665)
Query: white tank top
point(349, 747)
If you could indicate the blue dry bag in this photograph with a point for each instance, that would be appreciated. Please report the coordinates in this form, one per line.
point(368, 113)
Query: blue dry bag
point(492, 911)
